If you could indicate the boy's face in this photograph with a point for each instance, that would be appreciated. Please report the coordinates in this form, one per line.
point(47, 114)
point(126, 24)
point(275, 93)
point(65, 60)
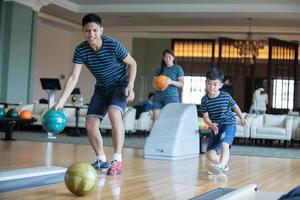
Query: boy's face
point(213, 86)
point(92, 32)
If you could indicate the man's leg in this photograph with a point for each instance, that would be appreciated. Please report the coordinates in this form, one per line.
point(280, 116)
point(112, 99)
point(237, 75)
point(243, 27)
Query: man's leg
point(118, 135)
point(212, 156)
point(118, 130)
point(95, 138)
point(225, 153)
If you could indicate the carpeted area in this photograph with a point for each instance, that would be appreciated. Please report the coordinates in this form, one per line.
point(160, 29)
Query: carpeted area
point(139, 142)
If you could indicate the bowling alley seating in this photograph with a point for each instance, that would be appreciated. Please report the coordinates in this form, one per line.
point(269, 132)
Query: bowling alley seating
point(128, 119)
point(71, 119)
point(144, 122)
point(273, 127)
point(296, 128)
point(39, 109)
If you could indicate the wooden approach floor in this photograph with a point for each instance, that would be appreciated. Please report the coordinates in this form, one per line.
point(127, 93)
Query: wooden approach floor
point(144, 178)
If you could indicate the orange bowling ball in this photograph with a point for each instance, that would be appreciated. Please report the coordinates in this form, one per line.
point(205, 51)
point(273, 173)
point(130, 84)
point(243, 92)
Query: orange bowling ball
point(161, 82)
point(25, 114)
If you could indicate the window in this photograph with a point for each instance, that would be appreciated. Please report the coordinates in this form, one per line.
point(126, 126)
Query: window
point(193, 89)
point(283, 94)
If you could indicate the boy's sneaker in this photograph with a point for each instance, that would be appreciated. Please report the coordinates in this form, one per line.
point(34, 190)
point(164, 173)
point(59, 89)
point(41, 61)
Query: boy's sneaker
point(98, 164)
point(226, 169)
point(115, 168)
point(216, 169)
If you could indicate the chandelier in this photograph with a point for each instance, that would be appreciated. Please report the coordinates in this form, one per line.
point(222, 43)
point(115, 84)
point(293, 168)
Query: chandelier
point(248, 49)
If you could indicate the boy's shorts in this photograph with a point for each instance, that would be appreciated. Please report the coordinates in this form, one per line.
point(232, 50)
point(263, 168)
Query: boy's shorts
point(105, 97)
point(227, 131)
point(159, 102)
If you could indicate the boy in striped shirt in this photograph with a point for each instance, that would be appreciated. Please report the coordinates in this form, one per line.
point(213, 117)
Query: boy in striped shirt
point(216, 107)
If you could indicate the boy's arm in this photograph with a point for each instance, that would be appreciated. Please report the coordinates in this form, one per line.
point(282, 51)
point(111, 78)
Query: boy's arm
point(132, 74)
point(69, 86)
point(213, 126)
point(238, 111)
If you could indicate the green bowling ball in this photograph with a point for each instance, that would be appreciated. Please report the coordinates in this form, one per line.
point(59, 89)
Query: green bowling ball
point(54, 121)
point(2, 113)
point(81, 178)
point(12, 113)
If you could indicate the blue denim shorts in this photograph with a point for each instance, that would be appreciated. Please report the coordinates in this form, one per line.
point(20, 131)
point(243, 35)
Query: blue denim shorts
point(105, 97)
point(159, 102)
point(226, 134)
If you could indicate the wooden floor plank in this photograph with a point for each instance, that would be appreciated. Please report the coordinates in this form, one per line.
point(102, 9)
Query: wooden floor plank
point(145, 178)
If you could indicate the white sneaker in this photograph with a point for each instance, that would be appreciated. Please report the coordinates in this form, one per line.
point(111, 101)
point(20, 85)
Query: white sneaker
point(226, 169)
point(216, 169)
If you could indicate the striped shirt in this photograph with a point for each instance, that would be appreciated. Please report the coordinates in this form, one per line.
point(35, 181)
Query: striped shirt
point(173, 73)
point(106, 64)
point(219, 108)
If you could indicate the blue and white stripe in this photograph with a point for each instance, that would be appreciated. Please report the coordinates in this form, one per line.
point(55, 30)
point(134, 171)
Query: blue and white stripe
point(219, 108)
point(106, 64)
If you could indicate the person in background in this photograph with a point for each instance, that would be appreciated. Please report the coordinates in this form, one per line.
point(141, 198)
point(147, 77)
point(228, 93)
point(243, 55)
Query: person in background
point(148, 103)
point(175, 75)
point(227, 86)
point(259, 100)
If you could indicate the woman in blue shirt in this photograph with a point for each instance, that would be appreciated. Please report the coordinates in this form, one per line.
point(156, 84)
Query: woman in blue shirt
point(175, 75)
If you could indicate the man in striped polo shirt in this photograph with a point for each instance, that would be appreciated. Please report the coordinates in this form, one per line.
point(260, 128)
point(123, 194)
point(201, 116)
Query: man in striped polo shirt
point(114, 70)
point(216, 107)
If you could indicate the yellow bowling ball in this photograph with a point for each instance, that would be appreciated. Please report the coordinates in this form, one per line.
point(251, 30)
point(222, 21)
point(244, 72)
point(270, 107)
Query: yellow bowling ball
point(81, 178)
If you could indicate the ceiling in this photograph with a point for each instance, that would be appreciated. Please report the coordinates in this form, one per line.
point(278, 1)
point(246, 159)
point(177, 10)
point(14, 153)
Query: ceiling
point(184, 15)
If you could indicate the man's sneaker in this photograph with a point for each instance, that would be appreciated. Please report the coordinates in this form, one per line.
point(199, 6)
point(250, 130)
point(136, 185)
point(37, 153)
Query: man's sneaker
point(226, 169)
point(98, 164)
point(216, 169)
point(115, 168)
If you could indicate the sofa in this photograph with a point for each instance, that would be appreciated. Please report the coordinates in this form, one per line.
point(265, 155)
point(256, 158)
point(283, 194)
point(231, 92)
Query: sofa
point(296, 128)
point(144, 122)
point(128, 119)
point(273, 127)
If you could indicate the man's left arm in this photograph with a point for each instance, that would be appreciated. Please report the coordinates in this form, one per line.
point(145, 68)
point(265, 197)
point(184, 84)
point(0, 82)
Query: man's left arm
point(132, 67)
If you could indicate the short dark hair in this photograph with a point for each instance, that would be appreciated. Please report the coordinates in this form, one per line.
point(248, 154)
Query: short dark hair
point(91, 18)
point(151, 94)
point(215, 73)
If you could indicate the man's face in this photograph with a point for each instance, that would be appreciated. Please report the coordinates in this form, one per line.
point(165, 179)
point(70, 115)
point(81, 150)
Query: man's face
point(92, 33)
point(213, 86)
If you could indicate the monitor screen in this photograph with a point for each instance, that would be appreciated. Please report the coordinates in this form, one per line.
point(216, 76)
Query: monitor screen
point(50, 84)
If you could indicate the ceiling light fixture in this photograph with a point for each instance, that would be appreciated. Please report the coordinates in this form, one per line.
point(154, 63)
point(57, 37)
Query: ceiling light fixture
point(248, 49)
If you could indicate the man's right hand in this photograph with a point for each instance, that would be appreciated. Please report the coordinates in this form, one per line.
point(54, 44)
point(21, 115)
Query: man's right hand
point(58, 106)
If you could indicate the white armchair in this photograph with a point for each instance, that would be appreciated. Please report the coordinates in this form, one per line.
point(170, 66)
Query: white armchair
point(296, 128)
point(71, 117)
point(144, 122)
point(275, 127)
point(128, 119)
